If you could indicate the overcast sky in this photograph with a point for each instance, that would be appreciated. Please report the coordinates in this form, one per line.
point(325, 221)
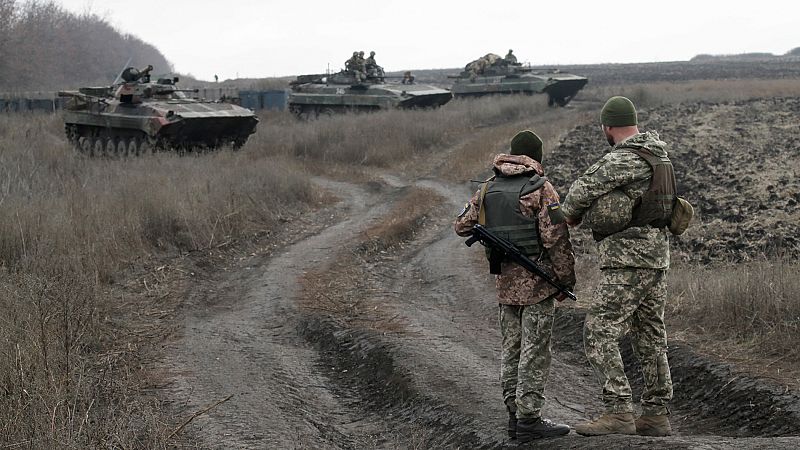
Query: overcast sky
point(265, 38)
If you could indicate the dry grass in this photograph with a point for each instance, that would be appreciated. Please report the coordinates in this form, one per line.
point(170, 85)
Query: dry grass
point(752, 305)
point(388, 138)
point(654, 94)
point(70, 228)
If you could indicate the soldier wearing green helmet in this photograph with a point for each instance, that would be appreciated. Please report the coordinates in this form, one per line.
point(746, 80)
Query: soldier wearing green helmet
point(627, 199)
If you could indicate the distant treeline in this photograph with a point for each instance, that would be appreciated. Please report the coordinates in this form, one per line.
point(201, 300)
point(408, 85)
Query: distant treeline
point(45, 47)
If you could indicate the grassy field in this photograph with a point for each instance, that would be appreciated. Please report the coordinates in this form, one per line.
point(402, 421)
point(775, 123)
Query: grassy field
point(74, 229)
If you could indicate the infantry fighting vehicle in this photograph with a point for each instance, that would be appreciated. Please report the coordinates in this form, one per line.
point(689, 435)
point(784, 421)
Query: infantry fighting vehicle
point(312, 95)
point(493, 74)
point(137, 115)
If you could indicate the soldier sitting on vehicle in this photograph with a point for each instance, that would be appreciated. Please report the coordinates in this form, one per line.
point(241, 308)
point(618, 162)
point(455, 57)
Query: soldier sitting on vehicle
point(510, 59)
point(355, 67)
point(408, 78)
point(372, 67)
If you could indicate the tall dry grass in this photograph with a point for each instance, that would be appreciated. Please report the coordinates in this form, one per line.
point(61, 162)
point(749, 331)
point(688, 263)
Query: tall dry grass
point(388, 138)
point(70, 227)
point(691, 91)
point(756, 305)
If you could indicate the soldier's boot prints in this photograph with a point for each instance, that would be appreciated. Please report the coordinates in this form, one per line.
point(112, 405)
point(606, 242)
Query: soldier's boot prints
point(653, 426)
point(538, 428)
point(607, 424)
point(512, 418)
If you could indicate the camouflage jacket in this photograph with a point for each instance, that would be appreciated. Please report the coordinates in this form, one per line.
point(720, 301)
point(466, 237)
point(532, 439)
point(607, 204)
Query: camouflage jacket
point(639, 247)
point(517, 286)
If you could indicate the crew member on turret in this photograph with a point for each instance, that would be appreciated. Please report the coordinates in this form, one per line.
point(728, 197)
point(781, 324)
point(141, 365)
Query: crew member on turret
point(510, 58)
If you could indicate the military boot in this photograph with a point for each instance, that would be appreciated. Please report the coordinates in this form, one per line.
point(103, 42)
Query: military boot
point(511, 407)
point(653, 426)
point(608, 424)
point(530, 429)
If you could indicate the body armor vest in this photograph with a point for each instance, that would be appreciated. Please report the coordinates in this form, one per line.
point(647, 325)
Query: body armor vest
point(500, 214)
point(654, 207)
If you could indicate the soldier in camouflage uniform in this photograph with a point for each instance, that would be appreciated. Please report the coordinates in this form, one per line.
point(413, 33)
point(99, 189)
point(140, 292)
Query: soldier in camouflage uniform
point(520, 204)
point(355, 66)
point(510, 58)
point(633, 287)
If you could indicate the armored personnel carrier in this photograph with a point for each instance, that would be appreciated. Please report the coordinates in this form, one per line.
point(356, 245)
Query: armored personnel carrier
point(137, 116)
point(312, 95)
point(493, 74)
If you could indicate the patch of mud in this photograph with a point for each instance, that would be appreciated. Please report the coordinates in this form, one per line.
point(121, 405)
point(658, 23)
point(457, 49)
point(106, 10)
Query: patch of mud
point(738, 163)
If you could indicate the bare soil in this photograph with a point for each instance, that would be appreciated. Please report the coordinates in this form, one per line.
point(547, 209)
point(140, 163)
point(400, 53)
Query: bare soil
point(737, 162)
point(424, 374)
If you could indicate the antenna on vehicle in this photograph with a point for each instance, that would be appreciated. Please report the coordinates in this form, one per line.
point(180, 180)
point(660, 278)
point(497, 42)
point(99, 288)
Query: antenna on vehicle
point(127, 64)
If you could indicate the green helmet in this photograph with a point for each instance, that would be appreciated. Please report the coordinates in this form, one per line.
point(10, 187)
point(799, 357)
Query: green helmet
point(610, 213)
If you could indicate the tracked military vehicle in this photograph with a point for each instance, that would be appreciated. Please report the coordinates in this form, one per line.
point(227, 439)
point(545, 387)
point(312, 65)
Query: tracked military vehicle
point(313, 95)
point(137, 116)
point(493, 74)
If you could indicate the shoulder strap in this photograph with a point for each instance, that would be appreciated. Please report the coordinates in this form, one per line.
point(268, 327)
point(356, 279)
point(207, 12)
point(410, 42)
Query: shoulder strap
point(481, 209)
point(535, 183)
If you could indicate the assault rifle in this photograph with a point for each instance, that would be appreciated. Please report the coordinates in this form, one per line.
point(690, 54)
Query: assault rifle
point(504, 247)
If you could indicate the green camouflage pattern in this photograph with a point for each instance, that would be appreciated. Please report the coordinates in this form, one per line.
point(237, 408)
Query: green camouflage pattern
point(610, 213)
point(515, 285)
point(642, 247)
point(525, 356)
point(630, 301)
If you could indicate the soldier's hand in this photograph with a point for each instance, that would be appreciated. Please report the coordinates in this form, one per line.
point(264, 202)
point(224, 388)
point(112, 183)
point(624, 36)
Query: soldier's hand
point(573, 221)
point(561, 297)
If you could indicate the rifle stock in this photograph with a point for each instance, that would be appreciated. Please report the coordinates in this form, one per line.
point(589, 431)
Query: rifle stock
point(489, 239)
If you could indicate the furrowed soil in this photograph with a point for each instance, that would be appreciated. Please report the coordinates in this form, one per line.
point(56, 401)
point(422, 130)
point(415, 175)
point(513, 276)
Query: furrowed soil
point(342, 339)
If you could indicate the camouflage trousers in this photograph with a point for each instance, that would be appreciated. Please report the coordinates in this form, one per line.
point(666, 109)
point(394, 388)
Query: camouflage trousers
point(630, 301)
point(525, 357)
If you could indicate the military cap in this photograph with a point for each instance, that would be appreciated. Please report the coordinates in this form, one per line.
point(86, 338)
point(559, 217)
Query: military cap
point(618, 112)
point(527, 143)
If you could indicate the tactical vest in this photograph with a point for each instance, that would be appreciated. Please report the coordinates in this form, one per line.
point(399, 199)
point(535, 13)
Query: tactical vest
point(500, 214)
point(654, 207)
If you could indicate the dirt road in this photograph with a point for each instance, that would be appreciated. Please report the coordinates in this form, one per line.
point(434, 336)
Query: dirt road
point(300, 380)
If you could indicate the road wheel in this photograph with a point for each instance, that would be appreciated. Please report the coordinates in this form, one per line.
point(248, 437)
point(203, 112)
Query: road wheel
point(122, 148)
point(73, 137)
point(85, 145)
point(110, 147)
point(98, 147)
point(133, 147)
